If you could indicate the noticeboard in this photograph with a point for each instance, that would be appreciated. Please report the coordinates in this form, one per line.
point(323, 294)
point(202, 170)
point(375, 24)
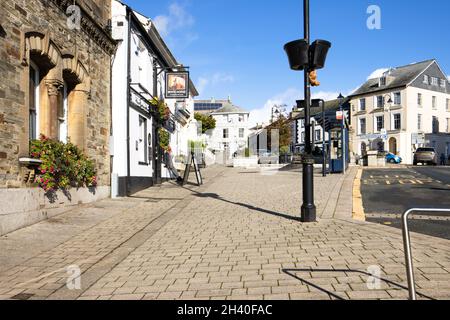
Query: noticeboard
point(192, 162)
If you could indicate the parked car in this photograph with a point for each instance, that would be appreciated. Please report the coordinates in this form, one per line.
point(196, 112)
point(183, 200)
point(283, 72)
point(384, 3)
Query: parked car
point(265, 157)
point(394, 159)
point(426, 156)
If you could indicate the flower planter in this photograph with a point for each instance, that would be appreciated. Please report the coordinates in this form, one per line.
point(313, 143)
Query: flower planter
point(298, 54)
point(318, 53)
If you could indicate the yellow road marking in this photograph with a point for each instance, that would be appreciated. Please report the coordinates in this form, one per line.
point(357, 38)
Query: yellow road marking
point(358, 209)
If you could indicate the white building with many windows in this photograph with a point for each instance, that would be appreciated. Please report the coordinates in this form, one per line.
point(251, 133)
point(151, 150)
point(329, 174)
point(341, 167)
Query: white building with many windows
point(141, 58)
point(406, 108)
point(232, 130)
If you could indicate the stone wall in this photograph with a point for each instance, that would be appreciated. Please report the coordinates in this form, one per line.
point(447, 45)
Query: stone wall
point(79, 57)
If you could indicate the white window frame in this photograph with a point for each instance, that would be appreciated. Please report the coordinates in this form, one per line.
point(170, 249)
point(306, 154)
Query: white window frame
point(399, 95)
point(393, 122)
point(37, 99)
point(318, 132)
point(63, 126)
point(241, 130)
point(360, 104)
point(375, 122)
point(419, 121)
point(420, 99)
point(447, 105)
point(443, 83)
point(377, 106)
point(359, 126)
point(434, 103)
point(426, 79)
point(142, 142)
point(434, 81)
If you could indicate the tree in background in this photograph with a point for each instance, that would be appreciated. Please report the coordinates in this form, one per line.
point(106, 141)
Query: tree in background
point(208, 122)
point(283, 125)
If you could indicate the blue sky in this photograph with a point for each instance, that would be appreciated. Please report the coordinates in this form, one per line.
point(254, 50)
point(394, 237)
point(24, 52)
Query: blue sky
point(235, 47)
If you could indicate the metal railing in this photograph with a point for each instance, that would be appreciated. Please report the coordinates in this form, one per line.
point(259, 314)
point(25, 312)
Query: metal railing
point(408, 250)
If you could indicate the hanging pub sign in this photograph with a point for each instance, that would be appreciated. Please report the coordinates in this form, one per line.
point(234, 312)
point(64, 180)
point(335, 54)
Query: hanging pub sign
point(177, 85)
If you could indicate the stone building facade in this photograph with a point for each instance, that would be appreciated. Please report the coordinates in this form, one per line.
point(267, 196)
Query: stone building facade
point(55, 80)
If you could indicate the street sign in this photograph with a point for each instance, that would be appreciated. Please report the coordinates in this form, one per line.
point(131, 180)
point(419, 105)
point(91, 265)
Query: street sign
point(339, 115)
point(418, 138)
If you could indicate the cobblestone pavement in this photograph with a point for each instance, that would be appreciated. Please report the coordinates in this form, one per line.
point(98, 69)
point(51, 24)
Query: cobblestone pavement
point(237, 237)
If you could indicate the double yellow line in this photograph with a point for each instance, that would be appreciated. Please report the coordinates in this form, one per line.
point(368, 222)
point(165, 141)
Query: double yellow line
point(358, 209)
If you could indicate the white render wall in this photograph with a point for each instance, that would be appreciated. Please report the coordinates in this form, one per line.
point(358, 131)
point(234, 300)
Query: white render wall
point(231, 122)
point(119, 90)
point(409, 114)
point(142, 73)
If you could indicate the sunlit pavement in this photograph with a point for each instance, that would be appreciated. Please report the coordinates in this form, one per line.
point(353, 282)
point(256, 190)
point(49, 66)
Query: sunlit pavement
point(237, 237)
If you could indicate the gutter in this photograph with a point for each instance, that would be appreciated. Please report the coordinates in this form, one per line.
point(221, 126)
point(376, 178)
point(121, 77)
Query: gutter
point(127, 186)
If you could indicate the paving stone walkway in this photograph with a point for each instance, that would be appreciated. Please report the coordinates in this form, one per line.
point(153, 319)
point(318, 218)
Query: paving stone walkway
point(237, 237)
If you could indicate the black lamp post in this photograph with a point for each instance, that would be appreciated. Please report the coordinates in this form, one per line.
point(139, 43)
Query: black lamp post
point(303, 56)
point(344, 147)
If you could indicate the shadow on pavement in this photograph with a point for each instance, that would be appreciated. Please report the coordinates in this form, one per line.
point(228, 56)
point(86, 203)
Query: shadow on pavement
point(248, 206)
point(217, 197)
point(332, 295)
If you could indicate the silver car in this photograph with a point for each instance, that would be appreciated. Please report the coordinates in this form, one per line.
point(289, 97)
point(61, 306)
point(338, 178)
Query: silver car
point(426, 156)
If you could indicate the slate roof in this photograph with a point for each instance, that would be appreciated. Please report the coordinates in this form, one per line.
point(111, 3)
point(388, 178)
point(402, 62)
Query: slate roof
point(229, 108)
point(332, 105)
point(402, 76)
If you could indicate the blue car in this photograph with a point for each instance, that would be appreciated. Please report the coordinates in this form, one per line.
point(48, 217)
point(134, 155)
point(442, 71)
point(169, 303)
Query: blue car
point(392, 158)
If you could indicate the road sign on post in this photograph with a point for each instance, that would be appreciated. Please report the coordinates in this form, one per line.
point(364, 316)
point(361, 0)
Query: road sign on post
point(340, 115)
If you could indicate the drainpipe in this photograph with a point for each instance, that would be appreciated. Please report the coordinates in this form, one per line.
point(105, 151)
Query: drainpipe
point(127, 183)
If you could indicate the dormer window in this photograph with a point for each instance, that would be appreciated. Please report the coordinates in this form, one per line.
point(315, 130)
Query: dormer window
point(434, 81)
point(443, 83)
point(426, 79)
point(382, 81)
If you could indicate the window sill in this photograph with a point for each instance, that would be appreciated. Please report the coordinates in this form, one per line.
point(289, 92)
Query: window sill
point(29, 162)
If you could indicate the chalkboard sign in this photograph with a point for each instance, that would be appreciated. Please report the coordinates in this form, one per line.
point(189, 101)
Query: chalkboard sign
point(192, 161)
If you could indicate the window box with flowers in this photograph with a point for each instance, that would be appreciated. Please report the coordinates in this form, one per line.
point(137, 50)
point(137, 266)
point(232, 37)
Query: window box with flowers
point(62, 166)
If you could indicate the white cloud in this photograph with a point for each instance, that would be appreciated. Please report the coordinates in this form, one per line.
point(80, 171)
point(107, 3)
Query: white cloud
point(201, 84)
point(162, 24)
point(221, 77)
point(377, 73)
point(177, 18)
point(213, 80)
point(325, 95)
point(263, 115)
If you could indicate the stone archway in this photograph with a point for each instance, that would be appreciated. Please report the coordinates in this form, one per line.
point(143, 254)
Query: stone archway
point(59, 69)
point(393, 146)
point(46, 55)
point(77, 79)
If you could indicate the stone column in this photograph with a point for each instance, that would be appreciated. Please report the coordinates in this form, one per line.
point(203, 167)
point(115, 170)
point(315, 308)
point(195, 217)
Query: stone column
point(50, 110)
point(78, 110)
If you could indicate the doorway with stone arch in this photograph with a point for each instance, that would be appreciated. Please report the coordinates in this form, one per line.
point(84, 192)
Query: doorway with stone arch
point(393, 146)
